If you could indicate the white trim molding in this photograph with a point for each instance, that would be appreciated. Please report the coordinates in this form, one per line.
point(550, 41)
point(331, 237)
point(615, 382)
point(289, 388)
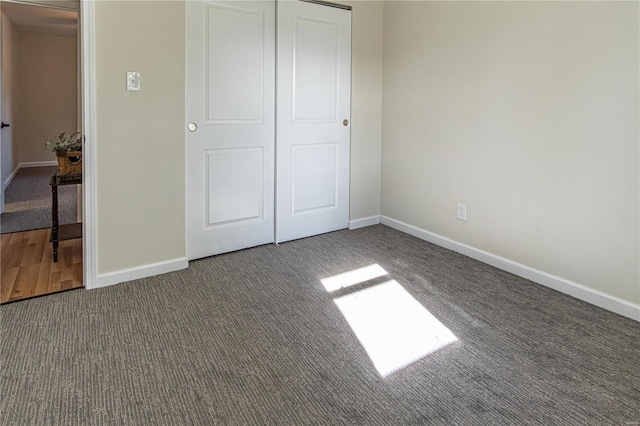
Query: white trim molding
point(140, 272)
point(38, 164)
point(49, 4)
point(27, 165)
point(89, 152)
point(579, 291)
point(9, 179)
point(364, 222)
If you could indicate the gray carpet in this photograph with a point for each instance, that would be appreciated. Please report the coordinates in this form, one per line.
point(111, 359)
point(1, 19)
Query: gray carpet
point(253, 337)
point(28, 201)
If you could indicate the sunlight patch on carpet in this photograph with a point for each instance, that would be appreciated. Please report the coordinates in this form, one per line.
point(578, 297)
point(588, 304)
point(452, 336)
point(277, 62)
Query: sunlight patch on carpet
point(392, 326)
point(354, 277)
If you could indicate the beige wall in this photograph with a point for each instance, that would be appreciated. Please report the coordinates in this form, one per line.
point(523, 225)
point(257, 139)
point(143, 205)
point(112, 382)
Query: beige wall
point(527, 113)
point(140, 136)
point(8, 154)
point(46, 93)
point(140, 144)
point(366, 107)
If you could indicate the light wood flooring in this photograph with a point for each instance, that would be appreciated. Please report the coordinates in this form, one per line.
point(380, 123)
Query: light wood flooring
point(27, 267)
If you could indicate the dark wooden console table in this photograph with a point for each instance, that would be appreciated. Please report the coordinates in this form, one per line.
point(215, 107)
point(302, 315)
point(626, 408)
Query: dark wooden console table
point(62, 232)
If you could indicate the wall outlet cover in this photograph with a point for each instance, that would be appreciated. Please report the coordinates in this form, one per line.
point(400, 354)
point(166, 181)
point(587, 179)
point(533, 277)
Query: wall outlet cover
point(461, 212)
point(133, 81)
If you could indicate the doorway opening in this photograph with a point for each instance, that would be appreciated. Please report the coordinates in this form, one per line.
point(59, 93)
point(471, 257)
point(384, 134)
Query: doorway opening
point(41, 98)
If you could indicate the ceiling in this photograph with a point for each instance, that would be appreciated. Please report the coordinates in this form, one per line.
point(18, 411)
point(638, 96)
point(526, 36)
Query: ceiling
point(61, 20)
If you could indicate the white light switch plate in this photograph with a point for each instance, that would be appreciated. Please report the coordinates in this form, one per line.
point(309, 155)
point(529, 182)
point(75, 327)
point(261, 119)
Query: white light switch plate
point(133, 81)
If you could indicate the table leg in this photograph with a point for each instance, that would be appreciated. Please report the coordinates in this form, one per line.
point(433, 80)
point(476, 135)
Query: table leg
point(54, 221)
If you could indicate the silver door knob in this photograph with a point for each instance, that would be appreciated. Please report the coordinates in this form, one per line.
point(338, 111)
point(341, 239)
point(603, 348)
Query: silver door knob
point(345, 122)
point(192, 127)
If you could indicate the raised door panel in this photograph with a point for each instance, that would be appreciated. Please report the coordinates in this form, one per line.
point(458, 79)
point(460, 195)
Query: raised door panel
point(235, 59)
point(315, 70)
point(235, 183)
point(314, 181)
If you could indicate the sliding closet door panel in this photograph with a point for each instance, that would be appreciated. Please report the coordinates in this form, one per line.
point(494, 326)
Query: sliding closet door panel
point(230, 113)
point(313, 104)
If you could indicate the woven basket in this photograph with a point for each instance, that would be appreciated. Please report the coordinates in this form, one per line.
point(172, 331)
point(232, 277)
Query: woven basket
point(70, 162)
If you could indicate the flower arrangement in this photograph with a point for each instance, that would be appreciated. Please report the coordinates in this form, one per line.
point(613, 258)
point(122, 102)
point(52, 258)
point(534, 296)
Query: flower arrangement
point(68, 149)
point(65, 142)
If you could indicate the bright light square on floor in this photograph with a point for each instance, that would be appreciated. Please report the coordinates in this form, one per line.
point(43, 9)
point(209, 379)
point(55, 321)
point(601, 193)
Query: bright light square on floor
point(354, 277)
point(392, 326)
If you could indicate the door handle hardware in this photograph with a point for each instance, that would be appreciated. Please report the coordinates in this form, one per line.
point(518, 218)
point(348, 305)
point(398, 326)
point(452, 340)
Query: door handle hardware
point(192, 127)
point(345, 122)
point(3, 125)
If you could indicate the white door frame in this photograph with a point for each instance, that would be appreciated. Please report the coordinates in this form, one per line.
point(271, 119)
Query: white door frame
point(1, 181)
point(86, 33)
point(89, 152)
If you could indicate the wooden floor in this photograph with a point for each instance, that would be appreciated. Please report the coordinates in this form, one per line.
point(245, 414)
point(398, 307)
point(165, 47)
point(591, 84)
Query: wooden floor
point(27, 267)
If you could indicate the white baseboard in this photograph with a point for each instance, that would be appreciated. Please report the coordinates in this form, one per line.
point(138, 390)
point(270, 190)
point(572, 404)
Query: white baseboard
point(27, 165)
point(139, 272)
point(579, 291)
point(13, 174)
point(364, 222)
point(38, 164)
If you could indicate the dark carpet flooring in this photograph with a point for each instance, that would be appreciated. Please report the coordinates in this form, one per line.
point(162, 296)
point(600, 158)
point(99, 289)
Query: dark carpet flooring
point(28, 201)
point(253, 337)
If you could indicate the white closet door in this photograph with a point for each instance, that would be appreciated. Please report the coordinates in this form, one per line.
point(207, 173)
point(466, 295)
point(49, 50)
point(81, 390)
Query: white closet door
point(313, 104)
point(230, 75)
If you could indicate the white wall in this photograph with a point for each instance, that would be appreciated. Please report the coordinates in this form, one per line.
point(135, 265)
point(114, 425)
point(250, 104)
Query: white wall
point(45, 98)
point(9, 159)
point(140, 145)
point(527, 112)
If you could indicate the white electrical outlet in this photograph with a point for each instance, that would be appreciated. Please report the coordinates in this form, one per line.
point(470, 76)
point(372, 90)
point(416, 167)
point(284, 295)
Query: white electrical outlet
point(461, 213)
